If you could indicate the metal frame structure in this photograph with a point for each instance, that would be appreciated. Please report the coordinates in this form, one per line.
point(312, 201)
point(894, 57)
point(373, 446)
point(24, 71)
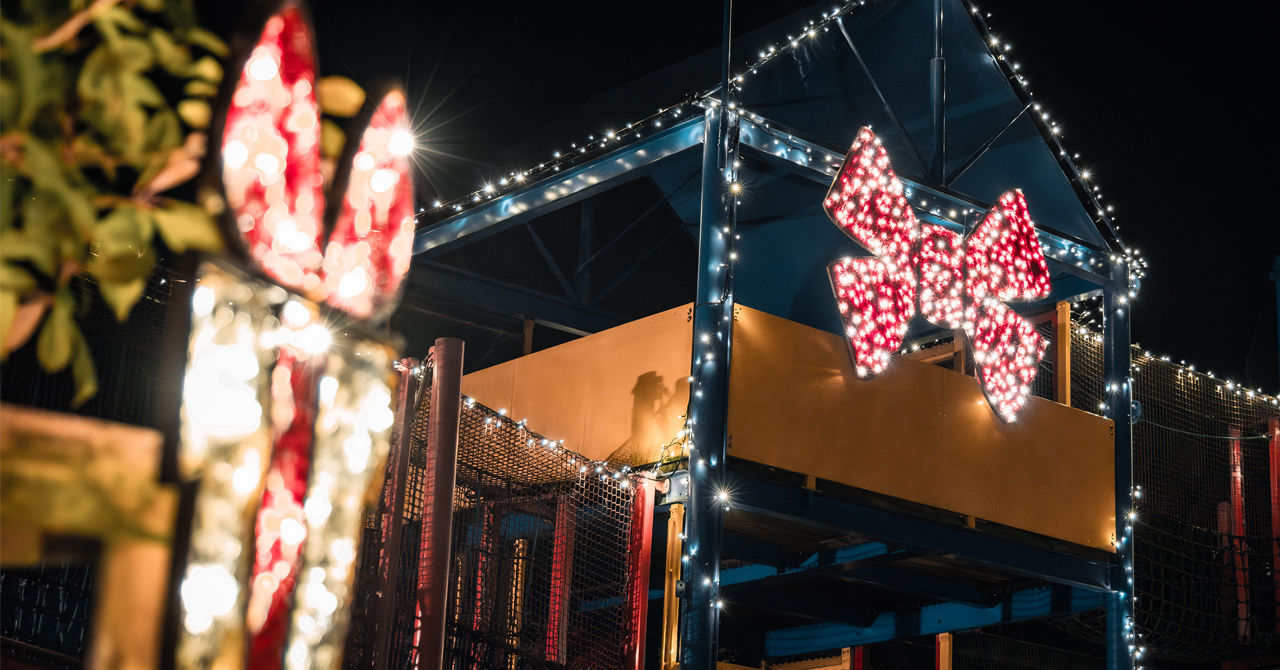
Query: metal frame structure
point(1059, 581)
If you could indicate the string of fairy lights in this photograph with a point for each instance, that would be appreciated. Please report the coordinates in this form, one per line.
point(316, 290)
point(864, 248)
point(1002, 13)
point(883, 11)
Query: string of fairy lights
point(586, 467)
point(578, 152)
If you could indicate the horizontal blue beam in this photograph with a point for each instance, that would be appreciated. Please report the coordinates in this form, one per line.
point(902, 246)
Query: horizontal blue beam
point(550, 194)
point(1024, 605)
point(803, 507)
point(821, 164)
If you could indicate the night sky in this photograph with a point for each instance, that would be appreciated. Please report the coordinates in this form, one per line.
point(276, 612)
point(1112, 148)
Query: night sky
point(1167, 107)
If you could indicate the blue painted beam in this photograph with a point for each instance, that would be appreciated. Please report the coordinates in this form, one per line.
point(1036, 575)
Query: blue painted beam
point(850, 516)
point(821, 164)
point(1024, 605)
point(548, 195)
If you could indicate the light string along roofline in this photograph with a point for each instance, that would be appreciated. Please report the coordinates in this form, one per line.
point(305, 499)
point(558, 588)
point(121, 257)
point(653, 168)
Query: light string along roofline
point(495, 418)
point(1082, 179)
point(1087, 314)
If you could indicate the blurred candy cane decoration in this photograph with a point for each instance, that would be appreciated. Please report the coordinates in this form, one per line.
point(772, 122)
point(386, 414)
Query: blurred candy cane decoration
point(283, 487)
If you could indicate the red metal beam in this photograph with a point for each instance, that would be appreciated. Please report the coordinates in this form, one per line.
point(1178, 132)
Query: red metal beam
point(561, 579)
point(437, 500)
point(1240, 557)
point(641, 546)
point(1273, 446)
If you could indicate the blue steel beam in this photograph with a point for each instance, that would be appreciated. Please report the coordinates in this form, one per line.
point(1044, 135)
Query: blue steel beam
point(1024, 605)
point(548, 195)
point(821, 164)
point(1116, 354)
point(800, 506)
point(709, 405)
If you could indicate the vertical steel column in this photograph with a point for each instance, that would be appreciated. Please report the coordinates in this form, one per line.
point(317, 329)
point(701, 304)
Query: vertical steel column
point(709, 401)
point(938, 100)
point(1121, 635)
point(559, 606)
point(393, 511)
point(437, 499)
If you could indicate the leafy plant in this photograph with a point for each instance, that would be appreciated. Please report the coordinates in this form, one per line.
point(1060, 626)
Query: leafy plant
point(103, 109)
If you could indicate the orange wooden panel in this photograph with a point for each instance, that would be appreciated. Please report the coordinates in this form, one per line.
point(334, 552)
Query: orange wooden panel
point(916, 432)
point(616, 395)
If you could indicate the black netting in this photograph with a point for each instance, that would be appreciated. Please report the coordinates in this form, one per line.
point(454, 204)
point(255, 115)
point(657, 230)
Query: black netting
point(540, 553)
point(1205, 549)
point(47, 607)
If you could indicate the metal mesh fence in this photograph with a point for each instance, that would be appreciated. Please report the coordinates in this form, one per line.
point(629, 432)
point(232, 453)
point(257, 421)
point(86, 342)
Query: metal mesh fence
point(1205, 541)
point(540, 553)
point(47, 607)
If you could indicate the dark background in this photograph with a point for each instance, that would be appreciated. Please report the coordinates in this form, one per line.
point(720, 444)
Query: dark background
point(1168, 105)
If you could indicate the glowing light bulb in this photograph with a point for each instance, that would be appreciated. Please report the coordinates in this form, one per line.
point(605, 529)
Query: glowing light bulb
point(263, 68)
point(401, 143)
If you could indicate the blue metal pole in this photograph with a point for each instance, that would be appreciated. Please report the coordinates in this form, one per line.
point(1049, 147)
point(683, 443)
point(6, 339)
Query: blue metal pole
point(1122, 645)
point(709, 389)
point(709, 404)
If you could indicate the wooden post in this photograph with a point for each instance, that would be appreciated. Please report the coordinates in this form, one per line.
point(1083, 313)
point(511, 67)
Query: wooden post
point(670, 659)
point(1062, 353)
point(942, 655)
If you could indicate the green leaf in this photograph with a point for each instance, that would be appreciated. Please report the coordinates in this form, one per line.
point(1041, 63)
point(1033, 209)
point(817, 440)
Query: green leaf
point(332, 139)
point(8, 308)
point(339, 96)
point(173, 57)
point(203, 88)
point(163, 132)
point(15, 279)
point(123, 18)
point(186, 227)
point(151, 5)
point(92, 84)
point(53, 348)
point(122, 250)
point(83, 372)
point(133, 54)
point(44, 169)
point(26, 67)
point(208, 69)
point(195, 113)
point(35, 243)
point(207, 41)
point(9, 103)
point(140, 89)
point(122, 296)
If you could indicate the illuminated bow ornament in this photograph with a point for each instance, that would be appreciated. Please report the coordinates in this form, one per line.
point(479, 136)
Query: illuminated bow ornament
point(286, 411)
point(927, 269)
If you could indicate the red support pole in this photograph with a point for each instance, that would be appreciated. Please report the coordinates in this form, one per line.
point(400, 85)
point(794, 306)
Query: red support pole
point(1273, 447)
point(393, 496)
point(437, 499)
point(1238, 546)
point(641, 548)
point(485, 582)
point(561, 580)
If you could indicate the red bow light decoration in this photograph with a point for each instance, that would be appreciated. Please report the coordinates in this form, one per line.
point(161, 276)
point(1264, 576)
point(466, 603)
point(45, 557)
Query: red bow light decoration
point(287, 405)
point(927, 269)
point(271, 172)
